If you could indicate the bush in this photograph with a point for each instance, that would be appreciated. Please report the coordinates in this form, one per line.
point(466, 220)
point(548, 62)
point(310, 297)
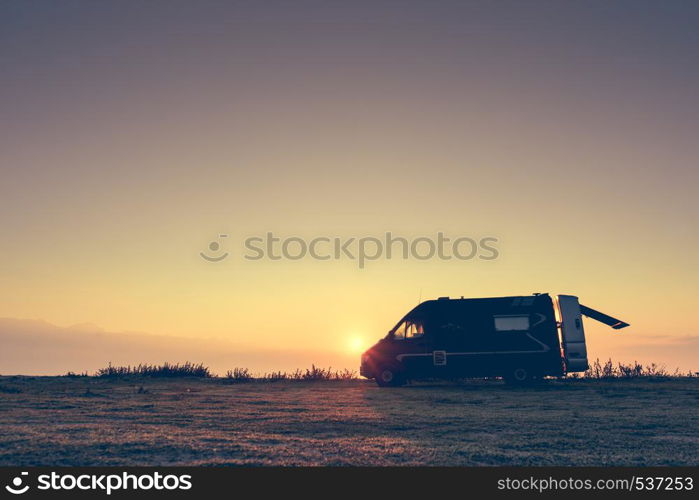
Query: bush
point(186, 369)
point(609, 370)
point(313, 374)
point(345, 375)
point(239, 375)
point(275, 376)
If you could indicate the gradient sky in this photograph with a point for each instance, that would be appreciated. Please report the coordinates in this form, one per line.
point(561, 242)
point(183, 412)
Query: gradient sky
point(133, 133)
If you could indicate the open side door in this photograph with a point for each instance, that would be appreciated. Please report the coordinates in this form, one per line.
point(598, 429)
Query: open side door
point(617, 324)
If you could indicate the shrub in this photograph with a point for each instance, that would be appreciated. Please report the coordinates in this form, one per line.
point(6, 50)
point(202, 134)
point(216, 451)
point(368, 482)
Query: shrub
point(239, 375)
point(609, 370)
point(186, 369)
point(313, 374)
point(275, 376)
point(345, 375)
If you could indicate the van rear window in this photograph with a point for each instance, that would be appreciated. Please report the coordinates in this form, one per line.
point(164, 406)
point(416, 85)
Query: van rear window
point(509, 323)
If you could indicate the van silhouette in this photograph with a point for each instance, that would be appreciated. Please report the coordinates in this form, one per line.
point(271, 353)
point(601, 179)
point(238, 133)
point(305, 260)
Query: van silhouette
point(517, 338)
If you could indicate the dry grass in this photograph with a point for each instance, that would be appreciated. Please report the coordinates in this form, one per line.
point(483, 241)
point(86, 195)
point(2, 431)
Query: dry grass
point(597, 371)
point(237, 375)
point(55, 421)
point(313, 373)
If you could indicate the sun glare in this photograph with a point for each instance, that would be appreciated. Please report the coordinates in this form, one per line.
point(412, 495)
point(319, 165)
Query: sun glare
point(356, 344)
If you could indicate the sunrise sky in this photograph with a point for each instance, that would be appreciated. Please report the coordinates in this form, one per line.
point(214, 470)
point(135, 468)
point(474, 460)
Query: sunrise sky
point(133, 133)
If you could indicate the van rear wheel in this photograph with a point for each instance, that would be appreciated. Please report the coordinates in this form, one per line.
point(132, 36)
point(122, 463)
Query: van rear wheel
point(519, 376)
point(389, 377)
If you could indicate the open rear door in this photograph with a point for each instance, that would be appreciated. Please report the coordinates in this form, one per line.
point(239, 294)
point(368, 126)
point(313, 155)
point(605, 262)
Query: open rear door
point(570, 313)
point(572, 333)
point(617, 324)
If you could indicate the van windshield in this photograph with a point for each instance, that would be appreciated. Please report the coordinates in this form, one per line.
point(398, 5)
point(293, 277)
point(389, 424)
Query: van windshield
point(399, 333)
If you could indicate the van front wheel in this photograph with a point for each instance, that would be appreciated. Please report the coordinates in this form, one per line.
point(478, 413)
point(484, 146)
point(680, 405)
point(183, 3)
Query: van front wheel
point(389, 377)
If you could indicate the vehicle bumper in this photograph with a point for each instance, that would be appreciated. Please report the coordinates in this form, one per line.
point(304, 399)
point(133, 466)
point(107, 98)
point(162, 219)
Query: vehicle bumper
point(365, 370)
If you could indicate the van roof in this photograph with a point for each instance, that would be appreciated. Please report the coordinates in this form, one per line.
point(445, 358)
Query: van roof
point(514, 298)
point(445, 304)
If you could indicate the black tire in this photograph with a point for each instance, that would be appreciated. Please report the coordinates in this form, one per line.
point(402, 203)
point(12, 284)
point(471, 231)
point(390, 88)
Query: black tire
point(389, 376)
point(519, 376)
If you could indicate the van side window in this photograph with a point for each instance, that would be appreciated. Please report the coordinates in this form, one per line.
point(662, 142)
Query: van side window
point(399, 333)
point(414, 330)
point(511, 323)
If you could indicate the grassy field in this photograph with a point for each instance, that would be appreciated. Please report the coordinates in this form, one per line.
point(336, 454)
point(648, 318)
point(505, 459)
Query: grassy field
point(182, 421)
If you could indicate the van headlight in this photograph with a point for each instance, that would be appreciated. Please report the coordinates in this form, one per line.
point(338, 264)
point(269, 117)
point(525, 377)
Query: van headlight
point(365, 358)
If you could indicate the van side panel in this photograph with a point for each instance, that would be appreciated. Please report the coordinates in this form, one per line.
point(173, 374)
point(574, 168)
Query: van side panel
point(488, 337)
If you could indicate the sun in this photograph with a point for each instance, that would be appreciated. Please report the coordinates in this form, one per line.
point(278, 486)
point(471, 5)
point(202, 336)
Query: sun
point(356, 344)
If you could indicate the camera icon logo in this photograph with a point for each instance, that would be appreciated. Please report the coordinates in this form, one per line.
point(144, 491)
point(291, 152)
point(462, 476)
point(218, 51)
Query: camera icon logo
point(215, 248)
point(16, 487)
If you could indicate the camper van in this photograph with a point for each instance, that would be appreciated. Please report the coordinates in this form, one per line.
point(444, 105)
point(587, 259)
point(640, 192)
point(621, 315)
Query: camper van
point(517, 338)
